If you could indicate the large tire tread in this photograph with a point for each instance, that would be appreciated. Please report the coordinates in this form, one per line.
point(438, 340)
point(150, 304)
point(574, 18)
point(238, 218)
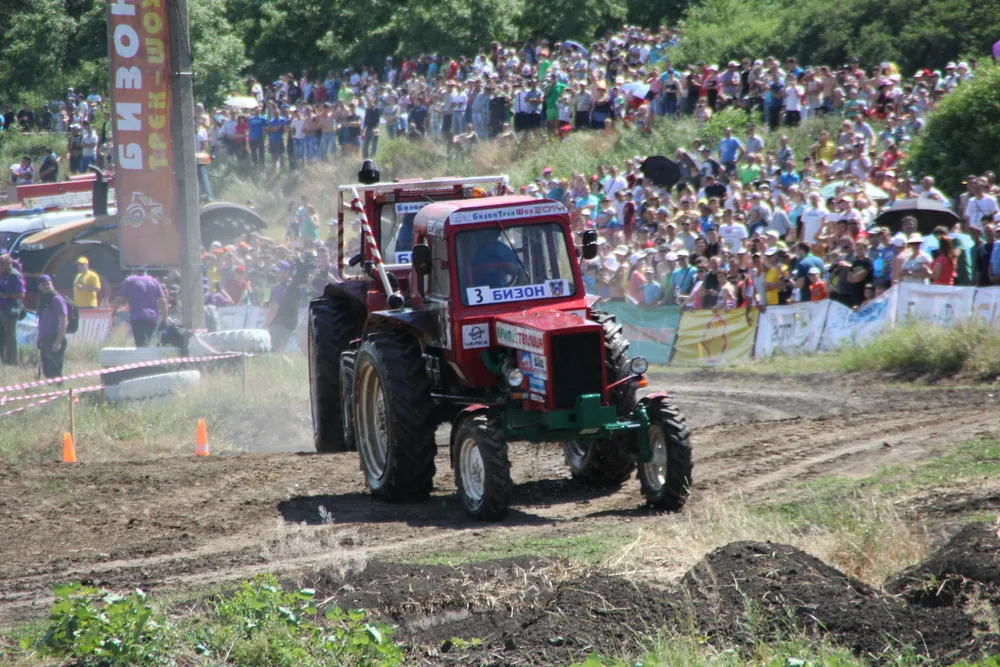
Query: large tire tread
point(333, 324)
point(677, 488)
point(493, 449)
point(409, 470)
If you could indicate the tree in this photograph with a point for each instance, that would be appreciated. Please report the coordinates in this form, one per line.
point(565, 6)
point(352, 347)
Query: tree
point(572, 19)
point(962, 135)
point(217, 52)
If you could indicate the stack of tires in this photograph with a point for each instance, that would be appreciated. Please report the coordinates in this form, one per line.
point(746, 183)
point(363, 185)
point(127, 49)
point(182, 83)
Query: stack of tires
point(142, 383)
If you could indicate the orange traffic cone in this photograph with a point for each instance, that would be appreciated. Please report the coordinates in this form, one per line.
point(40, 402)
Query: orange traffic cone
point(201, 439)
point(69, 449)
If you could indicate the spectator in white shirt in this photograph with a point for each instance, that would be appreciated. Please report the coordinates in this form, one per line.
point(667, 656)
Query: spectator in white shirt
point(980, 208)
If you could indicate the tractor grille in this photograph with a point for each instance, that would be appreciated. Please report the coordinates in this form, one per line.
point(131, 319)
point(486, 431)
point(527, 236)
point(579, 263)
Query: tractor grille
point(575, 367)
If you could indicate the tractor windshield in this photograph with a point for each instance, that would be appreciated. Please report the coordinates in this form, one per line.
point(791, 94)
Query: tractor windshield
point(513, 263)
point(396, 231)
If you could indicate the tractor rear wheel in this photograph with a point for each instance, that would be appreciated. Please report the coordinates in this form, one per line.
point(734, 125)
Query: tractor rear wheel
point(666, 478)
point(482, 468)
point(607, 463)
point(392, 417)
point(333, 324)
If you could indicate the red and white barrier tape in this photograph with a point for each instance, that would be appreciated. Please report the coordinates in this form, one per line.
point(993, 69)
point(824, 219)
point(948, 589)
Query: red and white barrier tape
point(50, 399)
point(4, 399)
point(126, 367)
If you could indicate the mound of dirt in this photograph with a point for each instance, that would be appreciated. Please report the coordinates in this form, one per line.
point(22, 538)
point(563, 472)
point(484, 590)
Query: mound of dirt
point(964, 571)
point(509, 612)
point(746, 591)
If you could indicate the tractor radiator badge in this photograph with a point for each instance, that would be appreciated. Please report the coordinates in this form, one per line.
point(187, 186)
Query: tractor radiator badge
point(475, 336)
point(483, 295)
point(520, 338)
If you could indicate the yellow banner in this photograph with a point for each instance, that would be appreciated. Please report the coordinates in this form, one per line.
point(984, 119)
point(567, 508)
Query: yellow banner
point(709, 338)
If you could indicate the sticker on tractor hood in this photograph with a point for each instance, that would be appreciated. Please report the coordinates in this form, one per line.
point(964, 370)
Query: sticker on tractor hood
point(475, 336)
point(536, 384)
point(535, 365)
point(520, 338)
point(403, 257)
point(508, 213)
point(483, 295)
point(409, 207)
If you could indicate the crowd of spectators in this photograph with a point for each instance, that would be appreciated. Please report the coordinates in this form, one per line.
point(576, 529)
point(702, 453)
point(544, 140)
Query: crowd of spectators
point(753, 223)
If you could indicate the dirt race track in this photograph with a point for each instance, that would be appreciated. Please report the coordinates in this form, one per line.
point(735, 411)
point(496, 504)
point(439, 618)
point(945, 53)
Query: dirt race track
point(177, 524)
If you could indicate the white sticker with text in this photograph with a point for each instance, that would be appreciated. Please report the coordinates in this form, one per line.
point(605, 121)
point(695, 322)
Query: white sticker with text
point(520, 338)
point(480, 296)
point(475, 336)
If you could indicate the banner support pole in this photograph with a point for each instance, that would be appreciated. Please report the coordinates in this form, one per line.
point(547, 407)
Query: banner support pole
point(192, 298)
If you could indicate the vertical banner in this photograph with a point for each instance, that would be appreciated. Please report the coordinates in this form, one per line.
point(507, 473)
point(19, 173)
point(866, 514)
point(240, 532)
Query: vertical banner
point(986, 306)
point(792, 329)
point(709, 338)
point(650, 331)
point(141, 102)
point(942, 305)
point(857, 327)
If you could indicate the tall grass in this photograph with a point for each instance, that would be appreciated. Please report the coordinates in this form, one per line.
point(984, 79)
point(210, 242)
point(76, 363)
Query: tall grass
point(921, 349)
point(273, 416)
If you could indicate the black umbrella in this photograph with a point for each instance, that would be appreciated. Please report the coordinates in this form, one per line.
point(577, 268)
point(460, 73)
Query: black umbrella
point(661, 171)
point(929, 213)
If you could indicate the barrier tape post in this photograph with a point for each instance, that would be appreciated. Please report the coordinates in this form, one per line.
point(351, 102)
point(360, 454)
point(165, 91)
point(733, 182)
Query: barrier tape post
point(72, 417)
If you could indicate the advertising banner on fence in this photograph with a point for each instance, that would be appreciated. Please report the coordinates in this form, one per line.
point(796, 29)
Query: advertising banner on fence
point(650, 331)
point(95, 325)
point(942, 305)
point(986, 305)
point(856, 327)
point(139, 59)
point(793, 329)
point(713, 338)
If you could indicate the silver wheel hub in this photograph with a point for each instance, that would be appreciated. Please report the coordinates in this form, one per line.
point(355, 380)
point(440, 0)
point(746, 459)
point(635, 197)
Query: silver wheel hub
point(654, 471)
point(472, 469)
point(373, 421)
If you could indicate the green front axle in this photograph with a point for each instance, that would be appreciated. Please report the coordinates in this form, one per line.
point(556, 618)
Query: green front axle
point(588, 419)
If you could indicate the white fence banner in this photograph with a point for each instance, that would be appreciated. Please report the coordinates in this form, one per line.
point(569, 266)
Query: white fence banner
point(986, 305)
point(792, 329)
point(942, 305)
point(856, 327)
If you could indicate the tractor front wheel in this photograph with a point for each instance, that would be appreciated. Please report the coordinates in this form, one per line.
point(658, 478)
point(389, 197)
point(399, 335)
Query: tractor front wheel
point(666, 477)
point(392, 417)
point(482, 468)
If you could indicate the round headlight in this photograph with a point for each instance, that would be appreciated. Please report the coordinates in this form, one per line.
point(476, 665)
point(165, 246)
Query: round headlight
point(638, 366)
point(515, 378)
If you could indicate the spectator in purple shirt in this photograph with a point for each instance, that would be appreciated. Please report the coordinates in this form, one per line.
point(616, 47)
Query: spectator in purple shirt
point(143, 296)
point(12, 289)
point(53, 318)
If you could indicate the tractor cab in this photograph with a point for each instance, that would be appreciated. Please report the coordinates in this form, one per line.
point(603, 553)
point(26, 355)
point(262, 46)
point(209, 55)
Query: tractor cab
point(391, 209)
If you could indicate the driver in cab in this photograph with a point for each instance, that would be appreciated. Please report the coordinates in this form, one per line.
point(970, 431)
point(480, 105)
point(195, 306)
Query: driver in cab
point(494, 262)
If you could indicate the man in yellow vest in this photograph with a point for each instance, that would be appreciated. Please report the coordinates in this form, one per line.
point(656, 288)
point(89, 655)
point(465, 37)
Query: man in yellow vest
point(86, 285)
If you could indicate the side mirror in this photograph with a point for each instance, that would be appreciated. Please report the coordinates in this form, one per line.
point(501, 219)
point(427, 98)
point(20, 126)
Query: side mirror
point(420, 258)
point(590, 244)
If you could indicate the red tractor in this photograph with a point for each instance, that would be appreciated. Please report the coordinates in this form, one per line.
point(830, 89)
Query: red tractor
point(477, 316)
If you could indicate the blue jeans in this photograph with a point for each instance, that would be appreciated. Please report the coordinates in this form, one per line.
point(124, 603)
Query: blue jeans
point(86, 161)
point(204, 184)
point(328, 145)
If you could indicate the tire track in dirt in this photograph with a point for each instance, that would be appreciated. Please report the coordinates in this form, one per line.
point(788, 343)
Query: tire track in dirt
point(184, 523)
